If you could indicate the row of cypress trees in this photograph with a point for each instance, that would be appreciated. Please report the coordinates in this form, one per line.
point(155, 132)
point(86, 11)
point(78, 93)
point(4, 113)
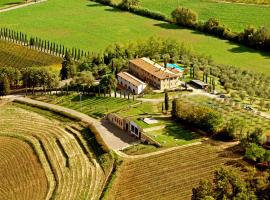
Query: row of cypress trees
point(40, 44)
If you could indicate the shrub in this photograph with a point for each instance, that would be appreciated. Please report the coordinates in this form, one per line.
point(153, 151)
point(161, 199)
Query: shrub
point(148, 13)
point(185, 17)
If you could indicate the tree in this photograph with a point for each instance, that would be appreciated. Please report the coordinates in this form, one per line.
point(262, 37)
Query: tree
point(4, 86)
point(166, 101)
point(255, 152)
point(203, 191)
point(242, 95)
point(185, 17)
point(68, 68)
point(108, 82)
point(128, 4)
point(262, 103)
point(267, 106)
point(166, 59)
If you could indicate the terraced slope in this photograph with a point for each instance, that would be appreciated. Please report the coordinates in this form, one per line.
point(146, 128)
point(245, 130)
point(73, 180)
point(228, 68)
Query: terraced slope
point(170, 175)
point(71, 169)
point(21, 172)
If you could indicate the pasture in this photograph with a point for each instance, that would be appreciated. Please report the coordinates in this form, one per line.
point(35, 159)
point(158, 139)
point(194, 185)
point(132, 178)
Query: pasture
point(67, 157)
point(170, 175)
point(85, 25)
point(21, 173)
point(12, 55)
point(235, 16)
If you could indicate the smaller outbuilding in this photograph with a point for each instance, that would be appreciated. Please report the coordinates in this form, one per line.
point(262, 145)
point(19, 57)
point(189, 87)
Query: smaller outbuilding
point(131, 83)
point(199, 84)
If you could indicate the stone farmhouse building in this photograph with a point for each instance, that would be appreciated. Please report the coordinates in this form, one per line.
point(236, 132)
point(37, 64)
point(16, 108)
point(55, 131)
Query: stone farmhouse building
point(131, 83)
point(154, 74)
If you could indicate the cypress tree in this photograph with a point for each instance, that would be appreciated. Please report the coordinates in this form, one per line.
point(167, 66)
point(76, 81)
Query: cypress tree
point(166, 101)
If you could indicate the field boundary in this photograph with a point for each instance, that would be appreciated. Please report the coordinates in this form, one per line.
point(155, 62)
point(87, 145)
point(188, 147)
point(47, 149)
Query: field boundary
point(120, 153)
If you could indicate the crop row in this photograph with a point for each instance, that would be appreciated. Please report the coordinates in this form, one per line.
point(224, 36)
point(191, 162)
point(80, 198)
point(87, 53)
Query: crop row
point(82, 177)
point(20, 171)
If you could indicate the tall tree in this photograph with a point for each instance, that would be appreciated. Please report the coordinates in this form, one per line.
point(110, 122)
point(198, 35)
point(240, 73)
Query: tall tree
point(166, 101)
point(4, 86)
point(68, 68)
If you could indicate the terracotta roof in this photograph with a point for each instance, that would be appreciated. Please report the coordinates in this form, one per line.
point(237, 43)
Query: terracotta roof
point(153, 68)
point(128, 77)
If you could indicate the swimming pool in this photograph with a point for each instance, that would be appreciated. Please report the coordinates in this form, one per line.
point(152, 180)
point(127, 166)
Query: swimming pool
point(175, 66)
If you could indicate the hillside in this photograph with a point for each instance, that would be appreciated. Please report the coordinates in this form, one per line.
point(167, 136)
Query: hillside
point(85, 25)
point(67, 157)
point(12, 55)
point(21, 172)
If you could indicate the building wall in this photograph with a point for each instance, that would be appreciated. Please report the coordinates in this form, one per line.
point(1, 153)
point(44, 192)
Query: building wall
point(152, 80)
point(136, 89)
point(116, 120)
point(135, 129)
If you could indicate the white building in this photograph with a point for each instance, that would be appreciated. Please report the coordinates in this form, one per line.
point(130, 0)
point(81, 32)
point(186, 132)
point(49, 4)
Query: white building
point(130, 83)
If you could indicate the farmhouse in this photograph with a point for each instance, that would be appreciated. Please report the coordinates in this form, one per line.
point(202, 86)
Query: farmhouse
point(199, 84)
point(131, 83)
point(152, 73)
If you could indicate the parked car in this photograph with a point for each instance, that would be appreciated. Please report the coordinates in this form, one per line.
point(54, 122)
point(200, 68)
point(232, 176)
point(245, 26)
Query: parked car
point(223, 96)
point(248, 107)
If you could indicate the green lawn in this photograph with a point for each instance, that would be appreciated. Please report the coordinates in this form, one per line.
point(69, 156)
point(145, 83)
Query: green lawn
point(235, 16)
point(85, 25)
point(93, 106)
point(173, 134)
point(8, 3)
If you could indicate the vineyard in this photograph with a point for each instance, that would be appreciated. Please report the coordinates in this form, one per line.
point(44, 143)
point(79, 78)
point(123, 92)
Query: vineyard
point(93, 106)
point(170, 175)
point(70, 164)
point(22, 175)
point(12, 55)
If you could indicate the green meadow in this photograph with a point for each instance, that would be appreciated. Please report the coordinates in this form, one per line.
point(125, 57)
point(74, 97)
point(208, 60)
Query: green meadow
point(91, 26)
point(235, 16)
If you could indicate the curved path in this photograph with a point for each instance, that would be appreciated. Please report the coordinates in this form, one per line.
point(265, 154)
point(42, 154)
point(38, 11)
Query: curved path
point(113, 141)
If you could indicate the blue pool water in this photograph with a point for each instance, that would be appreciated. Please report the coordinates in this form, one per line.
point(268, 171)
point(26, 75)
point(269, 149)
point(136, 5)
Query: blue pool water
point(175, 66)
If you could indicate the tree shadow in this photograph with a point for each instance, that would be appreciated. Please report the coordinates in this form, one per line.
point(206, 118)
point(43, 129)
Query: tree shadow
point(12, 3)
point(168, 26)
point(95, 5)
point(244, 49)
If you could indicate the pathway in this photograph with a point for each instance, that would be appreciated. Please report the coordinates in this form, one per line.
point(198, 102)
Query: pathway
point(115, 139)
point(21, 6)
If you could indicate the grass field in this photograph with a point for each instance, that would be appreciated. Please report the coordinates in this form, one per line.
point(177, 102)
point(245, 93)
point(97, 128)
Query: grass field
point(93, 106)
point(235, 16)
point(21, 173)
point(72, 171)
point(170, 175)
point(84, 24)
point(12, 55)
point(8, 3)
